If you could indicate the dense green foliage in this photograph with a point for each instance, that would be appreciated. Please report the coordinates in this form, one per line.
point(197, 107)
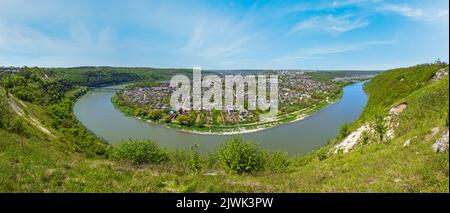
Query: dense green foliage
point(184, 120)
point(242, 157)
point(196, 160)
point(8, 121)
point(101, 76)
point(278, 162)
point(55, 98)
point(235, 156)
point(344, 130)
point(29, 85)
point(139, 152)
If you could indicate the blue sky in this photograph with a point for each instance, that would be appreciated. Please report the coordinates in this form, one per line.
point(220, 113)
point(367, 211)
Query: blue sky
point(347, 34)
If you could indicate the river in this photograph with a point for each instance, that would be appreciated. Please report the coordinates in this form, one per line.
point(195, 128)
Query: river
point(98, 114)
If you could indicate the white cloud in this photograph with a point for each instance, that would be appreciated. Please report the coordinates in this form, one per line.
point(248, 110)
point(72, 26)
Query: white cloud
point(23, 45)
point(332, 24)
point(416, 13)
point(305, 6)
point(342, 3)
point(321, 51)
point(403, 10)
point(219, 40)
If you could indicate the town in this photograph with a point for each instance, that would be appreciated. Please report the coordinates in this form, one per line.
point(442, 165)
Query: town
point(10, 69)
point(298, 90)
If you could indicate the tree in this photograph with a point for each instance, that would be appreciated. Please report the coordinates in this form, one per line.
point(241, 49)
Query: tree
point(155, 114)
point(139, 112)
point(379, 125)
point(365, 137)
point(184, 120)
point(238, 156)
point(344, 130)
point(5, 112)
point(193, 116)
point(201, 121)
point(195, 159)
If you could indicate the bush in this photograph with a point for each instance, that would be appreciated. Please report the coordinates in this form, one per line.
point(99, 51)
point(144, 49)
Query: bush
point(17, 126)
point(155, 114)
point(139, 152)
point(365, 137)
point(184, 120)
point(322, 153)
point(379, 125)
point(344, 130)
point(279, 162)
point(196, 161)
point(242, 157)
point(139, 112)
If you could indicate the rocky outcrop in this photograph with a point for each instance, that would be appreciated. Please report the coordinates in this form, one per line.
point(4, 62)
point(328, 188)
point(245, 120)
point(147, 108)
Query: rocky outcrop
point(408, 142)
point(433, 133)
point(391, 123)
point(440, 74)
point(351, 140)
point(442, 143)
point(390, 132)
point(397, 110)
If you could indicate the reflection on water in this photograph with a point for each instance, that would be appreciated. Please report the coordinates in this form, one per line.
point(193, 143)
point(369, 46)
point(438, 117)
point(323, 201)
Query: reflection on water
point(97, 113)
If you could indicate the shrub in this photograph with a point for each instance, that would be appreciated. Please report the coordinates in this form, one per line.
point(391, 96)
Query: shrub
point(17, 126)
point(139, 152)
point(379, 125)
point(365, 137)
point(139, 112)
point(195, 161)
point(155, 114)
point(344, 130)
point(242, 157)
point(184, 120)
point(446, 120)
point(322, 153)
point(279, 162)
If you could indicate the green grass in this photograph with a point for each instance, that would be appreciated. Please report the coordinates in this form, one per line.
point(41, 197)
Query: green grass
point(390, 87)
point(31, 165)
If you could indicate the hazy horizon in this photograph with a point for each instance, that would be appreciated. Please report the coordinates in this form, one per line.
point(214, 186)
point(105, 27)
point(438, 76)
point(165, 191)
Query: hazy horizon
point(212, 70)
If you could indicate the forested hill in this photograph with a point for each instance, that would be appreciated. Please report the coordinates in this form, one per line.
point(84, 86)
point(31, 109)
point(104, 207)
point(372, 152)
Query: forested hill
point(51, 92)
point(101, 76)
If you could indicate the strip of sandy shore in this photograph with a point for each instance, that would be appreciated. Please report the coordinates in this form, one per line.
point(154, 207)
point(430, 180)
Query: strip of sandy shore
point(241, 131)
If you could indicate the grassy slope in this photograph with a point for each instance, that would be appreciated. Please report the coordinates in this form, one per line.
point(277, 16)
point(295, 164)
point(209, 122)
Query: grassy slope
point(36, 164)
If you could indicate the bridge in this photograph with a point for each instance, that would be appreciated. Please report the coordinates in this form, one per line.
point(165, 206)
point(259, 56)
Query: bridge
point(106, 89)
